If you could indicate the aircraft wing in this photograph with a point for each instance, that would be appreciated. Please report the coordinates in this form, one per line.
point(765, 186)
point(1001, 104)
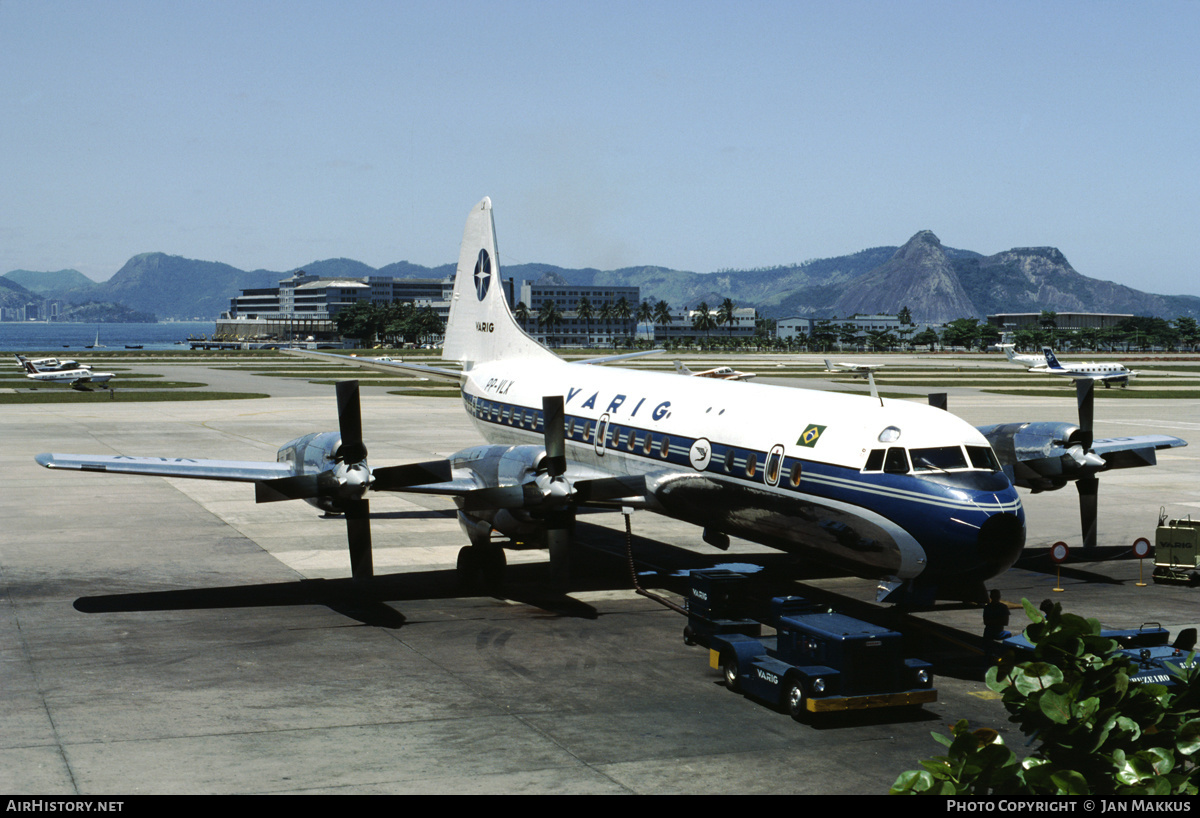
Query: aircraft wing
point(1139, 450)
point(420, 370)
point(236, 470)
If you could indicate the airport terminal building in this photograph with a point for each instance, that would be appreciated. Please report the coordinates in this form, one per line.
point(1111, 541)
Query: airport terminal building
point(304, 307)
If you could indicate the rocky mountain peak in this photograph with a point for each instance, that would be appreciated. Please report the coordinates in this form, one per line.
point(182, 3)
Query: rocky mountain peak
point(551, 278)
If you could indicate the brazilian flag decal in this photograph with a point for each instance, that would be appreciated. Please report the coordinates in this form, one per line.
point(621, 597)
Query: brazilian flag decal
point(810, 435)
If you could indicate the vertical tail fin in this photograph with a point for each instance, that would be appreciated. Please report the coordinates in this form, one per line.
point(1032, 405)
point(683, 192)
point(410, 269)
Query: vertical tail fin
point(681, 369)
point(481, 326)
point(1051, 358)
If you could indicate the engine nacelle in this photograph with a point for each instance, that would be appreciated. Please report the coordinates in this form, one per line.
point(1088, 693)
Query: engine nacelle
point(500, 465)
point(311, 454)
point(1041, 456)
point(492, 466)
point(317, 454)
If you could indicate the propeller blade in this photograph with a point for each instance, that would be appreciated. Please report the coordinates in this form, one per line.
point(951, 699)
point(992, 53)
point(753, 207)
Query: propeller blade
point(494, 497)
point(1089, 491)
point(610, 488)
point(558, 542)
point(555, 435)
point(391, 478)
point(300, 487)
point(350, 423)
point(1085, 395)
point(358, 532)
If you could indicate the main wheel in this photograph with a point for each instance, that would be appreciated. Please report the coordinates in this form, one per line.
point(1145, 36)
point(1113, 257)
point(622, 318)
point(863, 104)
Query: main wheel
point(480, 568)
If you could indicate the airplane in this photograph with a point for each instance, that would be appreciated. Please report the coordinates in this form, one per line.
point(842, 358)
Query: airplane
point(1106, 373)
point(80, 378)
point(727, 373)
point(889, 490)
point(50, 364)
point(1010, 352)
point(855, 370)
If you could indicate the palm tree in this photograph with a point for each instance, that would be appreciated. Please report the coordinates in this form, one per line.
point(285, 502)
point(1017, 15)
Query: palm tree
point(605, 315)
point(725, 315)
point(521, 313)
point(662, 315)
point(622, 312)
point(703, 320)
point(645, 313)
point(549, 316)
point(585, 313)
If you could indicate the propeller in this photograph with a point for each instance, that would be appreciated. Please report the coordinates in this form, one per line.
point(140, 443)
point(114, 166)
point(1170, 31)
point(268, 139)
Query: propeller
point(1040, 455)
point(560, 513)
point(356, 478)
point(1089, 485)
point(344, 487)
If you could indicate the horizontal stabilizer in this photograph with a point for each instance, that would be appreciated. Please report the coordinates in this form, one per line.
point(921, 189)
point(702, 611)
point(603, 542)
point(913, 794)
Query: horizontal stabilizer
point(606, 359)
point(396, 367)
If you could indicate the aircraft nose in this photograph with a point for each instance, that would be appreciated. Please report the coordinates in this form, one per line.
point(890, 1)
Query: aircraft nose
point(1000, 541)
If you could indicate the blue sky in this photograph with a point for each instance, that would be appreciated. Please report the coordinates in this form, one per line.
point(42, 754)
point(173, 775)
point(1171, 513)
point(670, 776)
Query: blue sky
point(698, 135)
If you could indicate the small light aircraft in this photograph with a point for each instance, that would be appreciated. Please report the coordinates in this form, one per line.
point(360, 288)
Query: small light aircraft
point(50, 364)
point(727, 373)
point(80, 378)
point(1010, 352)
point(883, 489)
point(1105, 373)
point(854, 370)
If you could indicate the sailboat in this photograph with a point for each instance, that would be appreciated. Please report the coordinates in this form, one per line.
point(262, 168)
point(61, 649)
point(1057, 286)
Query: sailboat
point(96, 345)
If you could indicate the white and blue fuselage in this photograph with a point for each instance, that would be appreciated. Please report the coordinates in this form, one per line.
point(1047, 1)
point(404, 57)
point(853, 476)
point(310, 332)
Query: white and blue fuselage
point(889, 489)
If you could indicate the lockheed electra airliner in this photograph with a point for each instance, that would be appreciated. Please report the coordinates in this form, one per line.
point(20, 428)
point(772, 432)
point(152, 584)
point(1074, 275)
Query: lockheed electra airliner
point(891, 490)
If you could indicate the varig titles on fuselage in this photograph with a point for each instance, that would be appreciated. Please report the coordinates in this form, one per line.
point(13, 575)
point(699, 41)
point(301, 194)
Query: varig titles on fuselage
point(660, 411)
point(573, 400)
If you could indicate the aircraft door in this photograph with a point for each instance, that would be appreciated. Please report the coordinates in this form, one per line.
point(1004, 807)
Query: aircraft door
point(601, 439)
point(774, 465)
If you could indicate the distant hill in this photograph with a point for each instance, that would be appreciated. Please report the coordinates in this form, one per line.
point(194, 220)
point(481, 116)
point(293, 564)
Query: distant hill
point(175, 287)
point(43, 283)
point(937, 284)
point(13, 295)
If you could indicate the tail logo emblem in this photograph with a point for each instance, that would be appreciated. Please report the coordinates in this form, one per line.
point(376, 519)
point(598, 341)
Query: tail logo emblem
point(483, 274)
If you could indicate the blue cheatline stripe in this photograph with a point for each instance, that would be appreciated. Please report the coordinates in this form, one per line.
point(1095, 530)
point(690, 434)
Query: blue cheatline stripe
point(817, 478)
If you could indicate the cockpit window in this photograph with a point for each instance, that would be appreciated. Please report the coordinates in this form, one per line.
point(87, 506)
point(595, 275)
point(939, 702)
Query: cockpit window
point(874, 460)
point(938, 458)
point(982, 457)
point(896, 461)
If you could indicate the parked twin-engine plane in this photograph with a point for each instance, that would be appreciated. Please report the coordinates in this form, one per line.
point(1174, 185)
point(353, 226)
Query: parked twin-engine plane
point(1107, 372)
point(50, 364)
point(81, 377)
point(885, 489)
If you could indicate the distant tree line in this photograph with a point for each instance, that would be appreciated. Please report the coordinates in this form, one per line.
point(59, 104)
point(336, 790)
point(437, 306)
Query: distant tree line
point(389, 324)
